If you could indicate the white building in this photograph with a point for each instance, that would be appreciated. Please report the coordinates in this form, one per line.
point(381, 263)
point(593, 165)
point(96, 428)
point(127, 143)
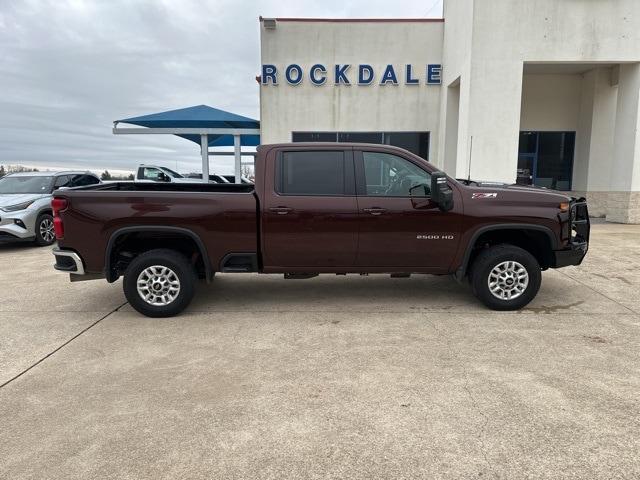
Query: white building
point(544, 90)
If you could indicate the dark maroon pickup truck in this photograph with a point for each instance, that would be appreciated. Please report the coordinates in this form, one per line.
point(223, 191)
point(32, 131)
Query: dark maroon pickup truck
point(319, 208)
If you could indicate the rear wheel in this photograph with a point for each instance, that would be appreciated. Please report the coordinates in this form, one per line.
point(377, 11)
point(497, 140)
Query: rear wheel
point(45, 234)
point(159, 283)
point(505, 277)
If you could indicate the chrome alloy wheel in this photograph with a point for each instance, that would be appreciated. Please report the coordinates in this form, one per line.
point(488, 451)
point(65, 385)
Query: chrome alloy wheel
point(508, 280)
point(46, 230)
point(158, 285)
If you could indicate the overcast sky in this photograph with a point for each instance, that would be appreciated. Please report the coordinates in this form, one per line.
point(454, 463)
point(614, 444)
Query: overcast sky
point(69, 68)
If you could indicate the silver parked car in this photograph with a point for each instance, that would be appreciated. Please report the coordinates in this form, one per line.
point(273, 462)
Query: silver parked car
point(25, 203)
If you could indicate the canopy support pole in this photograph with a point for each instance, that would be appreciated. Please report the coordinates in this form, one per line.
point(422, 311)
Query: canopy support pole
point(204, 146)
point(238, 158)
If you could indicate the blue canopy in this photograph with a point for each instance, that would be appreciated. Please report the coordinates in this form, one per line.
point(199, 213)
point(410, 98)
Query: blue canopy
point(200, 116)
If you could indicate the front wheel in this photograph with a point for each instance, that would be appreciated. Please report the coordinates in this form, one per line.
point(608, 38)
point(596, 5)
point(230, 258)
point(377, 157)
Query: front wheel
point(159, 283)
point(505, 277)
point(45, 234)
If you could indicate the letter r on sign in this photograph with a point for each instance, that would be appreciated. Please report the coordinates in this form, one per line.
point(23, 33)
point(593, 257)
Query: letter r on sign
point(269, 72)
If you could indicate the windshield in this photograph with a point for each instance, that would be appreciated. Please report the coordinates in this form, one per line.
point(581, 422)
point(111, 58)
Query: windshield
point(22, 184)
point(174, 174)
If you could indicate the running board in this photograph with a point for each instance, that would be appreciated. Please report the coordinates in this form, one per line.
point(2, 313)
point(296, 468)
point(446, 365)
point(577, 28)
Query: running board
point(299, 276)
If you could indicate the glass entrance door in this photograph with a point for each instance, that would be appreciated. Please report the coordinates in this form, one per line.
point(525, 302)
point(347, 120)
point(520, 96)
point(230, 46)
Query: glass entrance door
point(526, 162)
point(545, 159)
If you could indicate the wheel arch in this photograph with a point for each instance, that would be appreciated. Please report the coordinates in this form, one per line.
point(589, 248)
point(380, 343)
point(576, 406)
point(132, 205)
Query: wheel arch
point(543, 231)
point(111, 275)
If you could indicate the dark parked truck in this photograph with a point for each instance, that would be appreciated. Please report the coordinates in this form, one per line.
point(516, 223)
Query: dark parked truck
point(319, 208)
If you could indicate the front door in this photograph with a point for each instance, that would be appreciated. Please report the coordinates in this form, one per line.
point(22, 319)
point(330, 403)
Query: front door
point(310, 216)
point(399, 224)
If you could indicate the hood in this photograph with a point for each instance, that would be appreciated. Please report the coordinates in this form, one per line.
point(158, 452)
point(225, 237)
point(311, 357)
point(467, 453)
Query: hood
point(515, 193)
point(8, 199)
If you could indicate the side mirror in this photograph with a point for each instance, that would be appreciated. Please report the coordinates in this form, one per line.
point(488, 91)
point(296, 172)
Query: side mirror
point(441, 193)
point(163, 177)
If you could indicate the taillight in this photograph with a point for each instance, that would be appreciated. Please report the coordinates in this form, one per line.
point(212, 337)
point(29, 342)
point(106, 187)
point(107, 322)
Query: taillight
point(58, 205)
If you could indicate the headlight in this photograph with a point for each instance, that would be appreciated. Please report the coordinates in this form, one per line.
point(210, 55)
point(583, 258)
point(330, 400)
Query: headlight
point(19, 206)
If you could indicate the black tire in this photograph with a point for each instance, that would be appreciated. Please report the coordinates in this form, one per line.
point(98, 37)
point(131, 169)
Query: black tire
point(44, 230)
point(168, 302)
point(493, 257)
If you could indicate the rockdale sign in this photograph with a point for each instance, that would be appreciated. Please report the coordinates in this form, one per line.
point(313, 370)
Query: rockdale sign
point(347, 74)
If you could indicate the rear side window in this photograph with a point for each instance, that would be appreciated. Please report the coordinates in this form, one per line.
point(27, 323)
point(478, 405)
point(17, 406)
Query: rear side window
point(153, 174)
point(311, 173)
point(84, 180)
point(62, 181)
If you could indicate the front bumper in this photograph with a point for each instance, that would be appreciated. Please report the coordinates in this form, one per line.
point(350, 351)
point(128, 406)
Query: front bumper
point(579, 231)
point(19, 225)
point(571, 256)
point(68, 262)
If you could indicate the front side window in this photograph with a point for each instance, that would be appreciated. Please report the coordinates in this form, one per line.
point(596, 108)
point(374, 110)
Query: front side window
point(388, 175)
point(311, 173)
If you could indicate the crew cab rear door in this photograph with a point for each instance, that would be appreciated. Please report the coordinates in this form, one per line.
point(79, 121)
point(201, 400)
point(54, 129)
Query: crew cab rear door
point(309, 209)
point(399, 224)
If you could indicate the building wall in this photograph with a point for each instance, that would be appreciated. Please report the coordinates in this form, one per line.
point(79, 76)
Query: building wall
point(586, 104)
point(456, 77)
point(485, 99)
point(594, 139)
point(507, 33)
point(550, 102)
point(307, 107)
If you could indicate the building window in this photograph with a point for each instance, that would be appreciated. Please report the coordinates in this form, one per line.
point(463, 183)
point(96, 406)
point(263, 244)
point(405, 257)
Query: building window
point(415, 142)
point(311, 173)
point(545, 159)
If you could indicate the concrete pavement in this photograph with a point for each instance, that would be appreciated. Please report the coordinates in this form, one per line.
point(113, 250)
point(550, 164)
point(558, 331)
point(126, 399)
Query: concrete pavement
point(332, 377)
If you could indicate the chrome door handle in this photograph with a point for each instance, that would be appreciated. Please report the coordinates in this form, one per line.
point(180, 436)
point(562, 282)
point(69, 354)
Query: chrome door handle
point(375, 210)
point(280, 210)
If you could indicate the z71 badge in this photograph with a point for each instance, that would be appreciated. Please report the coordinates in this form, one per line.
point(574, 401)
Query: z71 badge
point(484, 195)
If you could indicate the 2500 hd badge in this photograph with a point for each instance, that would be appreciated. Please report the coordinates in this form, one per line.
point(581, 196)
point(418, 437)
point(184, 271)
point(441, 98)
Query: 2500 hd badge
point(436, 236)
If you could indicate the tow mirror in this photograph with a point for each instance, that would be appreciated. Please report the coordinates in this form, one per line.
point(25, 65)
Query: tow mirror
point(441, 193)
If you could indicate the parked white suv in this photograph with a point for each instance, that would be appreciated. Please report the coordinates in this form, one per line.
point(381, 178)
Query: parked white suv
point(25, 203)
point(154, 173)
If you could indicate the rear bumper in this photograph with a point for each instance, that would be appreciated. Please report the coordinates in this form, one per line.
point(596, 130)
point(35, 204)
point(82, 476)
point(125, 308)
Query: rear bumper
point(68, 262)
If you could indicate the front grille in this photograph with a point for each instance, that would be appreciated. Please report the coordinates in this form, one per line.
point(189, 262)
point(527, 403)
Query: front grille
point(580, 226)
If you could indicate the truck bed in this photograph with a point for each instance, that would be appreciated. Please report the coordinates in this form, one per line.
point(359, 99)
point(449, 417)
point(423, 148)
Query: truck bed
point(224, 216)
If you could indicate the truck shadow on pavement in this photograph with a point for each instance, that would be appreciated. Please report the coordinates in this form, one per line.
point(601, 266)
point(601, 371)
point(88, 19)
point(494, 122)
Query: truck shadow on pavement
point(234, 293)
